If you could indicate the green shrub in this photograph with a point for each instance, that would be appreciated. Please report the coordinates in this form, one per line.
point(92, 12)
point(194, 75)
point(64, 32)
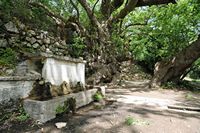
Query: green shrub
point(77, 48)
point(129, 120)
point(8, 57)
point(97, 96)
point(69, 105)
point(12, 111)
point(22, 115)
point(60, 109)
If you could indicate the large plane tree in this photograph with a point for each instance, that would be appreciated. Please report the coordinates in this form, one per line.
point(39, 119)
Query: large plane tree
point(97, 23)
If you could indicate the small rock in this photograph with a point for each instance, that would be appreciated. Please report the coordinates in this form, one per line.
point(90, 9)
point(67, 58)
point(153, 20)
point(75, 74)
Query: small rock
point(59, 53)
point(60, 125)
point(43, 48)
point(31, 32)
point(56, 49)
point(44, 32)
point(24, 43)
point(3, 43)
point(9, 71)
point(81, 58)
point(63, 43)
point(33, 40)
point(38, 37)
point(23, 33)
point(28, 45)
point(11, 27)
point(51, 47)
point(12, 40)
point(47, 41)
point(57, 44)
point(36, 45)
point(48, 51)
point(39, 41)
point(46, 45)
point(22, 26)
point(42, 36)
point(52, 40)
point(28, 39)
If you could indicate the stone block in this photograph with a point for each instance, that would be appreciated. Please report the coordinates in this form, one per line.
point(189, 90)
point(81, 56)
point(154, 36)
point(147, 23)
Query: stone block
point(44, 111)
point(14, 89)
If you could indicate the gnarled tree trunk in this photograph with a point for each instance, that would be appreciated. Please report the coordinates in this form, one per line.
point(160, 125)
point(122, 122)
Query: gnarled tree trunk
point(172, 69)
point(108, 65)
point(105, 63)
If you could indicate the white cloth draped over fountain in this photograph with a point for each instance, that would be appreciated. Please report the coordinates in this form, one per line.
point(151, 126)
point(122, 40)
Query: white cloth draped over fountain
point(57, 71)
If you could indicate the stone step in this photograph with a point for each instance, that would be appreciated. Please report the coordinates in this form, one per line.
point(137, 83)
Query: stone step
point(136, 83)
point(133, 84)
point(139, 100)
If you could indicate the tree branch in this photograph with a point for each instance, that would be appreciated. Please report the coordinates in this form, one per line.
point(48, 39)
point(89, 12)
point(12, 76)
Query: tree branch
point(115, 4)
point(153, 2)
point(130, 6)
point(108, 7)
point(76, 8)
point(135, 24)
point(125, 11)
point(48, 11)
point(91, 16)
point(105, 8)
point(94, 6)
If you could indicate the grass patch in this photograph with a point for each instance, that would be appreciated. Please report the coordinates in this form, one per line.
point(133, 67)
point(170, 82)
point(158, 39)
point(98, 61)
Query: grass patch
point(133, 121)
point(97, 96)
point(189, 96)
point(12, 111)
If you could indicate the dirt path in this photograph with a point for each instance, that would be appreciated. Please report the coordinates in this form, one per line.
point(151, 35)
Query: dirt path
point(147, 109)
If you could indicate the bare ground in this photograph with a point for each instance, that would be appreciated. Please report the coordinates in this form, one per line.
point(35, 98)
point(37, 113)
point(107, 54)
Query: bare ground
point(147, 108)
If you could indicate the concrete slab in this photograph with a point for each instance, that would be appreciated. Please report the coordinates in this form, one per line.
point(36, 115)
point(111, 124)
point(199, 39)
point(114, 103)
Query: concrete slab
point(44, 111)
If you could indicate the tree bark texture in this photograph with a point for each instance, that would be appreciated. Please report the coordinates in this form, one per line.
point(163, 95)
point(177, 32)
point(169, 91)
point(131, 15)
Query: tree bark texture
point(172, 69)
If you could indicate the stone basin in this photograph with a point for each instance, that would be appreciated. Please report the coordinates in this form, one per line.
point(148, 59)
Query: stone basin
point(44, 111)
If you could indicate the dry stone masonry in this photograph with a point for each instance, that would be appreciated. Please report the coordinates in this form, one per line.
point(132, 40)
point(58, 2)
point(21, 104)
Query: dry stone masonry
point(40, 41)
point(45, 57)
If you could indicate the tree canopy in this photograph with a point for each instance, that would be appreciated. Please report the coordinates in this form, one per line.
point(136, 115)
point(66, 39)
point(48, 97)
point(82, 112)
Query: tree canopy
point(109, 31)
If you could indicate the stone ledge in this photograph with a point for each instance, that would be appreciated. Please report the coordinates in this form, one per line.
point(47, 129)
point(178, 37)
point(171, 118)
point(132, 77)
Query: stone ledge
point(44, 111)
point(19, 78)
point(47, 55)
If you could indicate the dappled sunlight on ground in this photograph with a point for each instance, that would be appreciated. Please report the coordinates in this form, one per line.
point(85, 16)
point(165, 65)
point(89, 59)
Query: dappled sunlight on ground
point(148, 110)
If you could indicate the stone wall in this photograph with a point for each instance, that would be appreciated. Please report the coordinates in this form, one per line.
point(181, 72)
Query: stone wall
point(37, 46)
point(15, 87)
point(37, 40)
point(52, 68)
